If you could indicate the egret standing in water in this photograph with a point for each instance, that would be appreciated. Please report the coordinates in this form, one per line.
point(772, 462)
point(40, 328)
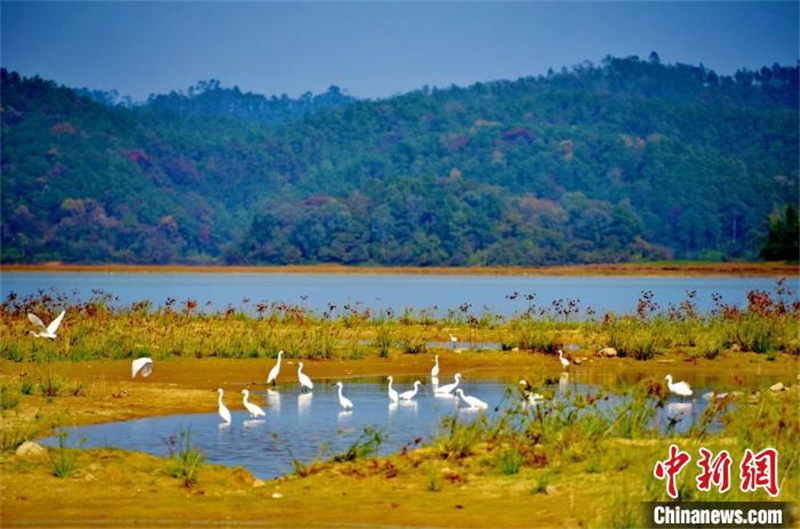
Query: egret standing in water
point(345, 403)
point(48, 331)
point(473, 402)
point(682, 389)
point(453, 340)
point(445, 390)
point(435, 369)
point(275, 371)
point(411, 393)
point(564, 361)
point(224, 412)
point(530, 396)
point(255, 411)
point(305, 382)
point(143, 366)
point(392, 393)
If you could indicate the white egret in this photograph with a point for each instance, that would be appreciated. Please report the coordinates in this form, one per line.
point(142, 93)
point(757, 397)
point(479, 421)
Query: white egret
point(682, 389)
point(530, 396)
point(305, 382)
point(392, 393)
point(143, 366)
point(275, 371)
point(255, 411)
point(48, 331)
point(411, 393)
point(473, 402)
point(453, 340)
point(346, 403)
point(435, 370)
point(564, 361)
point(224, 412)
point(444, 390)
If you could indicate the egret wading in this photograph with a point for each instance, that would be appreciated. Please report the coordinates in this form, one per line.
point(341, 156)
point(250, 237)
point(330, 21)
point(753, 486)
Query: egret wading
point(393, 397)
point(305, 382)
point(682, 389)
point(473, 402)
point(224, 412)
point(564, 361)
point(530, 396)
point(446, 390)
point(411, 393)
point(344, 402)
point(255, 411)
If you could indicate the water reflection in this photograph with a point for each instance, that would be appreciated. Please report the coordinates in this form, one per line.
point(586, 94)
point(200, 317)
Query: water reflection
point(304, 403)
point(305, 423)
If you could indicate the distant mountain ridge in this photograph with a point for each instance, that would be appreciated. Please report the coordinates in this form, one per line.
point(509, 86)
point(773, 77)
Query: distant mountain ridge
point(627, 160)
point(210, 98)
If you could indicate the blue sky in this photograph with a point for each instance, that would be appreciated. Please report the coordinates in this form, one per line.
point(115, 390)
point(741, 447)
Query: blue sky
point(374, 49)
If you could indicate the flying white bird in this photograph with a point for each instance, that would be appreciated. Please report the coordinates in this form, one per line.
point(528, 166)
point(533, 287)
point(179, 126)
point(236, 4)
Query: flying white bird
point(473, 402)
point(411, 393)
point(392, 393)
point(435, 369)
point(143, 366)
point(275, 371)
point(48, 331)
point(681, 389)
point(564, 361)
point(346, 403)
point(305, 382)
point(443, 390)
point(224, 412)
point(255, 411)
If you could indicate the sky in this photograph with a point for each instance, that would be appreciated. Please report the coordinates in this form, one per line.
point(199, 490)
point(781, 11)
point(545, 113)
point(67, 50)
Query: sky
point(374, 49)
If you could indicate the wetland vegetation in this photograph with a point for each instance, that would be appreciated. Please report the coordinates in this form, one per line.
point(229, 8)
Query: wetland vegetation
point(567, 459)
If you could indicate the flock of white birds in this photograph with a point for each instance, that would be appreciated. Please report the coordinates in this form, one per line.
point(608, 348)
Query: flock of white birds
point(144, 367)
point(307, 385)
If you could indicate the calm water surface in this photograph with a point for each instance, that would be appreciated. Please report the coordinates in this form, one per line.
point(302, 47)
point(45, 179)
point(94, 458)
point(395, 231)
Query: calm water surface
point(396, 291)
point(311, 426)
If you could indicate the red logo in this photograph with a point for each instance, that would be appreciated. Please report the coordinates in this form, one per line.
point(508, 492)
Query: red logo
point(716, 471)
point(670, 467)
point(760, 471)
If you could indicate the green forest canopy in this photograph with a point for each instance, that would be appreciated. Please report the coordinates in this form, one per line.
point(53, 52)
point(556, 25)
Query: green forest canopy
point(626, 160)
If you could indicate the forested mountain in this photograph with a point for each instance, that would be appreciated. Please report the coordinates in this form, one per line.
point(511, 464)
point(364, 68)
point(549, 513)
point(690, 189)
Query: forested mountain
point(626, 160)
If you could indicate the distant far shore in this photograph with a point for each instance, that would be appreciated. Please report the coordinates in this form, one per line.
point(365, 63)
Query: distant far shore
point(670, 268)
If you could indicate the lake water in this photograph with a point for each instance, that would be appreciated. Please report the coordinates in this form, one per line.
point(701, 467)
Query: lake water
point(391, 291)
point(310, 426)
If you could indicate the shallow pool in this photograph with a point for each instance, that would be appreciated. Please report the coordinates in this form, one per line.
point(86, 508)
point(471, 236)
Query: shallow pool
point(309, 426)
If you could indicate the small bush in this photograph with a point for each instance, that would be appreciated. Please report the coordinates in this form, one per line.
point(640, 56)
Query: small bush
point(542, 482)
point(26, 386)
point(366, 445)
point(8, 398)
point(460, 438)
point(51, 384)
point(184, 460)
point(510, 461)
point(383, 342)
point(63, 459)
